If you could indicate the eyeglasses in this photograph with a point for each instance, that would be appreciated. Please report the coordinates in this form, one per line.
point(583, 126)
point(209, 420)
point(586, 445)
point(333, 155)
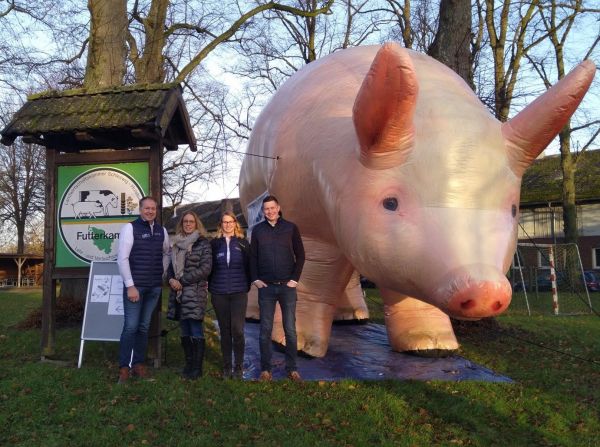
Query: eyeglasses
point(227, 222)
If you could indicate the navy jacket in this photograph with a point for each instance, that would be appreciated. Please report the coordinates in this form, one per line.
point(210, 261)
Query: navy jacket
point(235, 277)
point(276, 252)
point(146, 257)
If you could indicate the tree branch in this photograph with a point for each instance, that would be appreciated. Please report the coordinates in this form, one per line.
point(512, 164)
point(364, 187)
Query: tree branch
point(238, 24)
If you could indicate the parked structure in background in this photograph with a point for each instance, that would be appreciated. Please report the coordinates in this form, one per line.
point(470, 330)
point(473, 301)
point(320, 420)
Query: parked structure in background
point(21, 270)
point(565, 289)
point(541, 219)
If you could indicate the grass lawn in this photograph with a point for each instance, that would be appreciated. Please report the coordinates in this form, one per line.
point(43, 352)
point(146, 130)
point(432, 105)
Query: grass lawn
point(555, 400)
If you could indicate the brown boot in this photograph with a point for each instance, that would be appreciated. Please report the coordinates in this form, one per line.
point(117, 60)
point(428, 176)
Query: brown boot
point(123, 375)
point(139, 370)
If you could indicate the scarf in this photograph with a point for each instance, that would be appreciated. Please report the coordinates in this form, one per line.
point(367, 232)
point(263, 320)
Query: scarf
point(182, 245)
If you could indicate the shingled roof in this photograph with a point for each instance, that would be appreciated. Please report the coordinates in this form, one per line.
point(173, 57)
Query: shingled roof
point(542, 182)
point(118, 118)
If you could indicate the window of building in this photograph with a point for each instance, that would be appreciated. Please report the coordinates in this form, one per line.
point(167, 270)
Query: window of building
point(596, 257)
point(543, 260)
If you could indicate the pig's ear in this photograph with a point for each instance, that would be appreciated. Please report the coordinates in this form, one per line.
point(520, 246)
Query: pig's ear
point(384, 108)
point(530, 131)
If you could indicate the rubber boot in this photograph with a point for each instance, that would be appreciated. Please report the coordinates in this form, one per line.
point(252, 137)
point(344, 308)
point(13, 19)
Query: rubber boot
point(198, 357)
point(186, 344)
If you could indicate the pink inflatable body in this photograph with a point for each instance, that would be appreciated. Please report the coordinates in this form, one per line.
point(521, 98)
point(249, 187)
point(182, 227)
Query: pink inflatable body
point(392, 167)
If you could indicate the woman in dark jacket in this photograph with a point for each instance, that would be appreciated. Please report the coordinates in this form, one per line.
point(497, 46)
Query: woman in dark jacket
point(229, 285)
point(188, 272)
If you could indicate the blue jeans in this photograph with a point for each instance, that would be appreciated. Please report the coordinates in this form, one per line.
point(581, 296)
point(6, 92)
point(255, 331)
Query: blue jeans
point(267, 298)
point(136, 325)
point(191, 328)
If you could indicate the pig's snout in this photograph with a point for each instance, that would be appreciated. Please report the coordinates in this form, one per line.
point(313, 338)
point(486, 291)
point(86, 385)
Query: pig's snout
point(478, 294)
point(481, 299)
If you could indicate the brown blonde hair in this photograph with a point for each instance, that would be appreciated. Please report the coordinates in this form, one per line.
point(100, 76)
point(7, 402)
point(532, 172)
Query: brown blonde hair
point(237, 231)
point(199, 227)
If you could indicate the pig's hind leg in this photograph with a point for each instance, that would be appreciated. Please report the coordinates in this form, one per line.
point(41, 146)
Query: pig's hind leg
point(417, 327)
point(351, 304)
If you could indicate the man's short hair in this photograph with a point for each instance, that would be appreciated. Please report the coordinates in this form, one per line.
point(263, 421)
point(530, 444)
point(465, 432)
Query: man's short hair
point(270, 199)
point(143, 199)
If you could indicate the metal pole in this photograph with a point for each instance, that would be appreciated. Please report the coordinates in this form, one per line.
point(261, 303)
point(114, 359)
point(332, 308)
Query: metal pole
point(523, 281)
point(552, 223)
point(553, 281)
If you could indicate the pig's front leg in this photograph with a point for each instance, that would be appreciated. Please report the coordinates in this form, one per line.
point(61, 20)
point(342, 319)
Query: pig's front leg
point(351, 304)
point(417, 327)
point(252, 309)
point(324, 277)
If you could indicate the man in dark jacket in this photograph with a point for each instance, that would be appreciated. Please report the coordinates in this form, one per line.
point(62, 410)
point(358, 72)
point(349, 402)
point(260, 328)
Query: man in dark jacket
point(276, 261)
point(142, 257)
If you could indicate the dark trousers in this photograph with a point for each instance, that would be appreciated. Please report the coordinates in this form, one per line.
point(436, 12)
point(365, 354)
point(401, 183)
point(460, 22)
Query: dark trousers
point(231, 315)
point(267, 298)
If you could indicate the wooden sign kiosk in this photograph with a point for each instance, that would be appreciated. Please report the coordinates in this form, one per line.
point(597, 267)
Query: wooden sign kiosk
point(119, 133)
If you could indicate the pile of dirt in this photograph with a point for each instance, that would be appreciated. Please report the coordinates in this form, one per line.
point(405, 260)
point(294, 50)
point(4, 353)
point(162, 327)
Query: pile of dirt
point(69, 313)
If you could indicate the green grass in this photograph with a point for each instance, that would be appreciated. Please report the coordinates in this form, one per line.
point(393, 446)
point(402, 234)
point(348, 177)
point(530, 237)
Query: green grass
point(553, 402)
point(570, 302)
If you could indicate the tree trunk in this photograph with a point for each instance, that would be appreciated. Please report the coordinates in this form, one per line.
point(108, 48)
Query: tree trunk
point(569, 169)
point(21, 237)
point(105, 68)
point(451, 45)
point(149, 68)
point(107, 50)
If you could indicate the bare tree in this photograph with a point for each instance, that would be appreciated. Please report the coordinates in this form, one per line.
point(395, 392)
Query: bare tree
point(21, 187)
point(153, 41)
point(452, 42)
point(414, 23)
point(276, 48)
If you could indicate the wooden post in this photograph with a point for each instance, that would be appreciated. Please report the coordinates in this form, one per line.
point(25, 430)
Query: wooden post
point(49, 284)
point(154, 343)
point(20, 260)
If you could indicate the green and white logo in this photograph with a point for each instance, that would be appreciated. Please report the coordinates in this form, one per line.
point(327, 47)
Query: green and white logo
point(92, 210)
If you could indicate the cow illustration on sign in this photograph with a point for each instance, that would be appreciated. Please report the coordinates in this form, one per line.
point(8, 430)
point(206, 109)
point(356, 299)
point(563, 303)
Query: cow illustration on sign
point(103, 196)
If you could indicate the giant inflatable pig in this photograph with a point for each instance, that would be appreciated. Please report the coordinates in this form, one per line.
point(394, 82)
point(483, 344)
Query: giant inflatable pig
point(392, 167)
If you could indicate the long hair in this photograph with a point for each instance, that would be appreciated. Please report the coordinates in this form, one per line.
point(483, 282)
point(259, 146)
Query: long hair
point(199, 227)
point(237, 230)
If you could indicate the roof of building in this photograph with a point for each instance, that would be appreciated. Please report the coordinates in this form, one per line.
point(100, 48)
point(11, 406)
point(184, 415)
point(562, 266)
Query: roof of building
point(21, 255)
point(119, 117)
point(209, 213)
point(542, 182)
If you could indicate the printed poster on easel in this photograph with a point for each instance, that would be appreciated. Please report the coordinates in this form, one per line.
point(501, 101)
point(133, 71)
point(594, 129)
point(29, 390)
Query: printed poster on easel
point(103, 316)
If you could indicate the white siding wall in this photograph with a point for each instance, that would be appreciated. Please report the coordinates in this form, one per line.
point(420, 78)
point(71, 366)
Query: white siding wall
point(591, 220)
point(537, 223)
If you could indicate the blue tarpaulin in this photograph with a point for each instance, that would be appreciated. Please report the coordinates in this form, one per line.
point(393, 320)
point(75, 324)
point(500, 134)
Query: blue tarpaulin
point(363, 352)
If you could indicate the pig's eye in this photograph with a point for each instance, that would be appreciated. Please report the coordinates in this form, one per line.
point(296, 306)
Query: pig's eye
point(514, 210)
point(390, 203)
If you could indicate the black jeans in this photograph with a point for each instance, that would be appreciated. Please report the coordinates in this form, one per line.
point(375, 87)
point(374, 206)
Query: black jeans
point(231, 315)
point(268, 297)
